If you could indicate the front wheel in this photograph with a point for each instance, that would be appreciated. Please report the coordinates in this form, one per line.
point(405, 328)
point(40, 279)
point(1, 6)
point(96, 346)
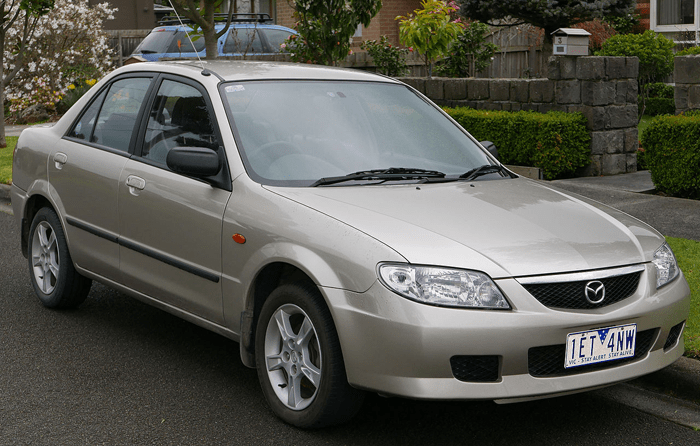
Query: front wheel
point(55, 280)
point(299, 361)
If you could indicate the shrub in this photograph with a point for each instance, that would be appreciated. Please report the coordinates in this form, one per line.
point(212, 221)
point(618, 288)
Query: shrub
point(389, 59)
point(469, 53)
point(672, 154)
point(660, 100)
point(693, 50)
point(655, 53)
point(556, 142)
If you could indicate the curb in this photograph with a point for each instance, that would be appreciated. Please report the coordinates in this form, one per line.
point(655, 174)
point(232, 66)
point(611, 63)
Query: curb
point(5, 192)
point(680, 380)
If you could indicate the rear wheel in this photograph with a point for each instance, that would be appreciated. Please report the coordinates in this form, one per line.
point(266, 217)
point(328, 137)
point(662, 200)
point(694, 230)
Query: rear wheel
point(299, 362)
point(55, 280)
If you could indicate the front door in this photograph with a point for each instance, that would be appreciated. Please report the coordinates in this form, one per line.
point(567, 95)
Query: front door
point(170, 224)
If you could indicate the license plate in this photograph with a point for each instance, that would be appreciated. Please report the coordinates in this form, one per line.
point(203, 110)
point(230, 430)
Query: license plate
point(605, 344)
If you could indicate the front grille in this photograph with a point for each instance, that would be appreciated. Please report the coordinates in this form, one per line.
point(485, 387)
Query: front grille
point(548, 361)
point(571, 295)
point(478, 369)
point(673, 335)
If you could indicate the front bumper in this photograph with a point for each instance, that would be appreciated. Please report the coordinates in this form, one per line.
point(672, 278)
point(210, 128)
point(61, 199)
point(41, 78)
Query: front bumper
point(395, 346)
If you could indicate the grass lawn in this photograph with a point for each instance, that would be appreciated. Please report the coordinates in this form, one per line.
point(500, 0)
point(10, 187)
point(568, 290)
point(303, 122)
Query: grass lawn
point(688, 255)
point(643, 124)
point(6, 160)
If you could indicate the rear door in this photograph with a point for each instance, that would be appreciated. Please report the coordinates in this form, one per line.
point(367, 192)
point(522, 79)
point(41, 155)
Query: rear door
point(170, 224)
point(85, 167)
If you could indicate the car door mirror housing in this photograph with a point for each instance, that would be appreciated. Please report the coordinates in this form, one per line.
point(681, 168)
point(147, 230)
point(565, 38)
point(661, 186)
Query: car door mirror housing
point(490, 147)
point(198, 162)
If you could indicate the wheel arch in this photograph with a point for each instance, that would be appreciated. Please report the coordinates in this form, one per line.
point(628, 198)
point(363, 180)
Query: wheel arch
point(268, 278)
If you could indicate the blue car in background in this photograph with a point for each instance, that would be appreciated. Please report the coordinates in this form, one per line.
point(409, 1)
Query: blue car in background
point(248, 34)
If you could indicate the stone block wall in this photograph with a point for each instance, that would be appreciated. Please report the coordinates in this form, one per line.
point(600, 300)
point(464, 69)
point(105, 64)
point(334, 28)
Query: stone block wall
point(603, 89)
point(686, 73)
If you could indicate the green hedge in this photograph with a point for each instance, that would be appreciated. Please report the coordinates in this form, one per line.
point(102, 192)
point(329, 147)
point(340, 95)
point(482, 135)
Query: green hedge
point(660, 100)
point(672, 154)
point(556, 142)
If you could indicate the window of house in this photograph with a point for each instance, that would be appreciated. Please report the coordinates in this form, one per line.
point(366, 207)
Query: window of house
point(675, 12)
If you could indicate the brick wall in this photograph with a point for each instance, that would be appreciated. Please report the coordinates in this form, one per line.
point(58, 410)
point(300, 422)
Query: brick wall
point(604, 89)
point(686, 73)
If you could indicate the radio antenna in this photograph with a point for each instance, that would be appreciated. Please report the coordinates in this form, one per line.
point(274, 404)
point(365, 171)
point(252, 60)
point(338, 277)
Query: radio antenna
point(205, 72)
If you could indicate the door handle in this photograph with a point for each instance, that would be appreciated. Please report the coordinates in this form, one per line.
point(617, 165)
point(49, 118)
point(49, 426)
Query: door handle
point(135, 184)
point(60, 159)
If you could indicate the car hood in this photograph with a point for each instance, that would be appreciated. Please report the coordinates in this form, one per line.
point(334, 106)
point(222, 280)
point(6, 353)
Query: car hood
point(506, 228)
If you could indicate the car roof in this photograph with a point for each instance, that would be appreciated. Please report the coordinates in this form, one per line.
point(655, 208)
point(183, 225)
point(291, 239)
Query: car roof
point(219, 26)
point(236, 70)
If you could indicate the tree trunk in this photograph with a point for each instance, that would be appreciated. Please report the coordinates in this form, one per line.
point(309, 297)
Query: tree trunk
point(211, 43)
point(3, 142)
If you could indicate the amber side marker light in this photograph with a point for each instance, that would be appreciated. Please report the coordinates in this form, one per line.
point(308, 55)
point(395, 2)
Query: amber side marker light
point(238, 238)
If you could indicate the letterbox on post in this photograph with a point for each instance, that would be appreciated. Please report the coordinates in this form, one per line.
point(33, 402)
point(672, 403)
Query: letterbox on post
point(570, 42)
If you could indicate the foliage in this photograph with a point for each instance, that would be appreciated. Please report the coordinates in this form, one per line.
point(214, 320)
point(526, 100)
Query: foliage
point(556, 142)
point(543, 13)
point(660, 100)
point(389, 59)
point(430, 30)
point(68, 45)
point(625, 24)
point(6, 160)
point(689, 51)
point(600, 32)
point(687, 254)
point(326, 28)
point(672, 154)
point(655, 53)
point(469, 54)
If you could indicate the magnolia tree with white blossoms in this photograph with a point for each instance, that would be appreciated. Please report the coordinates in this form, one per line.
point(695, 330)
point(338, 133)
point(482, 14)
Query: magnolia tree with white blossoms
point(64, 47)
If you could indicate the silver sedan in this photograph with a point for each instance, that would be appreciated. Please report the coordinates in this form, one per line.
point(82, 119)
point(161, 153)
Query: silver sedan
point(346, 232)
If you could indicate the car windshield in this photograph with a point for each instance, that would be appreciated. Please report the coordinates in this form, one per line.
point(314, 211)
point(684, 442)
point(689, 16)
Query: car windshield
point(294, 133)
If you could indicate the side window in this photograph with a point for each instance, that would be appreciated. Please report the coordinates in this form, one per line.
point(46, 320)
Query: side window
point(179, 117)
point(275, 38)
point(117, 119)
point(243, 41)
point(83, 128)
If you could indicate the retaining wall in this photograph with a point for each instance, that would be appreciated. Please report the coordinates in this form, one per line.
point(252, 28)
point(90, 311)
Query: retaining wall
point(604, 89)
point(686, 73)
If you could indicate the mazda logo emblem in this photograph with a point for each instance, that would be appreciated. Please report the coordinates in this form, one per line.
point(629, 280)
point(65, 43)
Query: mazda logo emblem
point(595, 292)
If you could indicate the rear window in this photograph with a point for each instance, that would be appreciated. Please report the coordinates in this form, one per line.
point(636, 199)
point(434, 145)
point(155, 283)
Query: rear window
point(181, 43)
point(156, 42)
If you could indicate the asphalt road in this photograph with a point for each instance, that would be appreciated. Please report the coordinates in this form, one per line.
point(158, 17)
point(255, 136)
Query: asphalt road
point(119, 372)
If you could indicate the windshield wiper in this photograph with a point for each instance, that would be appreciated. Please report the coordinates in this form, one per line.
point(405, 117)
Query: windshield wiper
point(484, 170)
point(392, 173)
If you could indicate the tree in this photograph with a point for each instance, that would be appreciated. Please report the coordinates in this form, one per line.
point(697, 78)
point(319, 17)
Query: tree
point(203, 18)
point(431, 30)
point(469, 54)
point(69, 48)
point(326, 28)
point(11, 11)
point(544, 14)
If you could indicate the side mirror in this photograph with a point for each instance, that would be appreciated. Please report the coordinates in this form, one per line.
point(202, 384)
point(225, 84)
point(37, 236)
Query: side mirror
point(198, 162)
point(490, 147)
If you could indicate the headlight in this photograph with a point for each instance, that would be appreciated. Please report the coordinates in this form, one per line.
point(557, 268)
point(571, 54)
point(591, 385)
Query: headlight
point(666, 266)
point(443, 286)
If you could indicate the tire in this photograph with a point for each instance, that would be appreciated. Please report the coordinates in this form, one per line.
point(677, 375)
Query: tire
point(56, 282)
point(304, 382)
